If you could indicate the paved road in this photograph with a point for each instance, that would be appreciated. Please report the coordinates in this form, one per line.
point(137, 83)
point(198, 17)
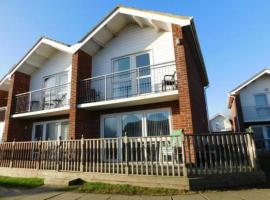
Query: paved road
point(45, 193)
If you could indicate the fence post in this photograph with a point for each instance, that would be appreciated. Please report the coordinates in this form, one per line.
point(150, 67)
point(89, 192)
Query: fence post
point(184, 155)
point(82, 155)
point(250, 150)
point(38, 155)
point(12, 154)
point(253, 151)
point(58, 153)
point(126, 153)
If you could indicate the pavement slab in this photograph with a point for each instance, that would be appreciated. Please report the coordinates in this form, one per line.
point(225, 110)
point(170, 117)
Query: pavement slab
point(47, 193)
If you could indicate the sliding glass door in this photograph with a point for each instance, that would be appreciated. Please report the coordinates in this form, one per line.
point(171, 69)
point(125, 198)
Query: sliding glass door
point(133, 124)
point(136, 124)
point(51, 130)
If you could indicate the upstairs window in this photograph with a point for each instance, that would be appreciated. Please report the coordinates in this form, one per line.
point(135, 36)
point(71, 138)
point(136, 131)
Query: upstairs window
point(261, 100)
point(55, 80)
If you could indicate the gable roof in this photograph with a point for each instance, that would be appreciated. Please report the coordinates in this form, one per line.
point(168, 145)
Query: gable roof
point(45, 43)
point(217, 115)
point(157, 20)
point(236, 90)
point(140, 16)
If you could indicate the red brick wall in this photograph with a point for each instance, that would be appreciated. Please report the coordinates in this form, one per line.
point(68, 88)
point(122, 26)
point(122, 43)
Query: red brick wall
point(237, 115)
point(78, 118)
point(15, 128)
point(192, 103)
point(3, 98)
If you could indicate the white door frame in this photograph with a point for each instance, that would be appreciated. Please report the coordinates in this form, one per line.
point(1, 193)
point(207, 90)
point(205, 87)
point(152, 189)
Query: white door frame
point(143, 112)
point(44, 123)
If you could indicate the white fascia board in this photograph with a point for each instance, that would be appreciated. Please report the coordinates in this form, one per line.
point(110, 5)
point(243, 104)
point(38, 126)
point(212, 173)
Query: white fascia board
point(79, 45)
point(156, 16)
point(139, 13)
point(54, 44)
point(236, 90)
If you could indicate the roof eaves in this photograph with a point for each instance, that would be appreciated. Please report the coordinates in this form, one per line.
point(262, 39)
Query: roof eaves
point(250, 80)
point(26, 54)
point(120, 6)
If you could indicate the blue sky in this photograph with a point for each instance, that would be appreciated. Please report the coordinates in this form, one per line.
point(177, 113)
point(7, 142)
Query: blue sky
point(234, 34)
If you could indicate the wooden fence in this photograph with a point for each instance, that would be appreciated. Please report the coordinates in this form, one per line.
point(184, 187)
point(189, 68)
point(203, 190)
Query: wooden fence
point(186, 155)
point(126, 155)
point(220, 153)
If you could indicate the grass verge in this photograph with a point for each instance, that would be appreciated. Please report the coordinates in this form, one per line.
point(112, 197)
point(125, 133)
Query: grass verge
point(104, 188)
point(6, 181)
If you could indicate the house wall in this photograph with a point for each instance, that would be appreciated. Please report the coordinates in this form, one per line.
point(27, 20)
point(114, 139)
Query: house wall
point(237, 115)
point(15, 128)
point(3, 98)
point(261, 85)
point(91, 129)
point(192, 103)
point(2, 125)
point(223, 122)
point(58, 62)
point(134, 39)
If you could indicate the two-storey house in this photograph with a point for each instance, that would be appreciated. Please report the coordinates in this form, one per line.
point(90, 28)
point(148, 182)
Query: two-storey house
point(249, 104)
point(136, 73)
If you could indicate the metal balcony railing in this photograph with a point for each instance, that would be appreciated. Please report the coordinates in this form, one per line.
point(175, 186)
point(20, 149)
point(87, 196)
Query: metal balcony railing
point(256, 113)
point(43, 99)
point(129, 83)
point(2, 114)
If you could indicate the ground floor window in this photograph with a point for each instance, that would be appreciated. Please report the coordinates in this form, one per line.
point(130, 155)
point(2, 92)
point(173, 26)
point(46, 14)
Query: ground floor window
point(262, 137)
point(50, 130)
point(137, 124)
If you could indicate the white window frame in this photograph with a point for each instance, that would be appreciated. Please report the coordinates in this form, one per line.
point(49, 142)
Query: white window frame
point(132, 58)
point(57, 77)
point(44, 123)
point(144, 123)
point(266, 96)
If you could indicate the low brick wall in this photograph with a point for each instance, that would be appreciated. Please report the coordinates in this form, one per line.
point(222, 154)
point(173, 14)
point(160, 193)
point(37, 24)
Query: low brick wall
point(182, 183)
point(227, 181)
point(264, 162)
point(63, 178)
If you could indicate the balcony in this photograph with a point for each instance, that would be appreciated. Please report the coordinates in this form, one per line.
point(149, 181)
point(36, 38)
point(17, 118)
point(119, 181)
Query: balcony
point(256, 113)
point(47, 100)
point(131, 87)
point(2, 114)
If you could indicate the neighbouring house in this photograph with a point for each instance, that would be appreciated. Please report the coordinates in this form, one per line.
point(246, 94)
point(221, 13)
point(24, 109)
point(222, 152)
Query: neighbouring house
point(220, 123)
point(249, 104)
point(137, 73)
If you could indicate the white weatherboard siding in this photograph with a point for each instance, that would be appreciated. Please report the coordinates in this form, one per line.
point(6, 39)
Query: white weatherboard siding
point(261, 85)
point(58, 62)
point(2, 125)
point(247, 98)
point(134, 39)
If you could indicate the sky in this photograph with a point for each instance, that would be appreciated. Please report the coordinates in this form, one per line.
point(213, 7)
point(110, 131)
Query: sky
point(234, 35)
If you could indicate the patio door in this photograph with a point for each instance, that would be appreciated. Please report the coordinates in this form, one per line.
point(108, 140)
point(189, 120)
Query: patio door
point(50, 130)
point(131, 76)
point(121, 78)
point(49, 82)
point(142, 62)
point(134, 124)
